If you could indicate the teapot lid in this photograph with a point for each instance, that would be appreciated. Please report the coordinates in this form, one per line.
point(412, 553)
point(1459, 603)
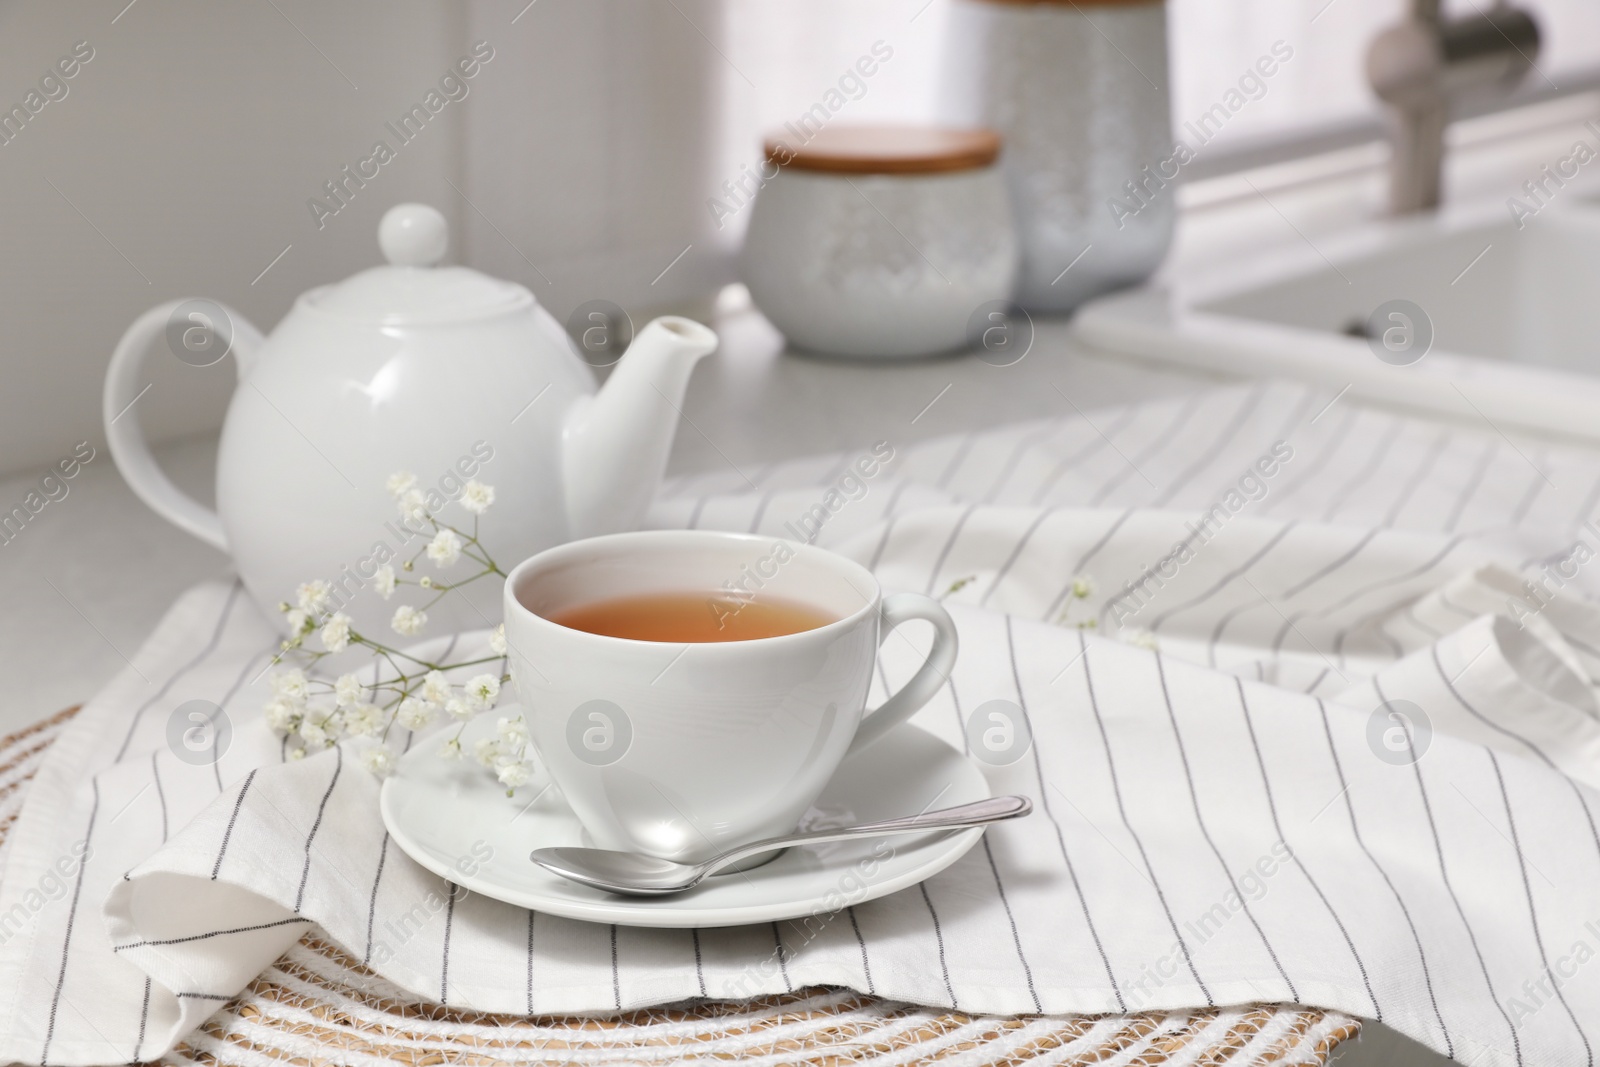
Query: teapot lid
point(411, 288)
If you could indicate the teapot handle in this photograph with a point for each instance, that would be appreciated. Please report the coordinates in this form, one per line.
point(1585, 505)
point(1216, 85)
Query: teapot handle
point(129, 449)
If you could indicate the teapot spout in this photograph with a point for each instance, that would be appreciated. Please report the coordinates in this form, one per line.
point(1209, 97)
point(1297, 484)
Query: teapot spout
point(615, 444)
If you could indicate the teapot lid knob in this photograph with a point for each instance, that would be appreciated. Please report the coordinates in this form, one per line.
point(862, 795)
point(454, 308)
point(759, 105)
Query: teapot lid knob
point(413, 235)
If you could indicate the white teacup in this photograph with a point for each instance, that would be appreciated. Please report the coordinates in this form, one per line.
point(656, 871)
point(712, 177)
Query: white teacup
point(684, 750)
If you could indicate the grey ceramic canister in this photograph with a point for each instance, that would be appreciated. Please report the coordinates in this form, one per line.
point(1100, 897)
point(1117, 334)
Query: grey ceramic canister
point(882, 242)
point(1078, 89)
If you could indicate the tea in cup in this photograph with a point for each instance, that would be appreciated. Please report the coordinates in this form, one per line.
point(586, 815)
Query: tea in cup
point(690, 691)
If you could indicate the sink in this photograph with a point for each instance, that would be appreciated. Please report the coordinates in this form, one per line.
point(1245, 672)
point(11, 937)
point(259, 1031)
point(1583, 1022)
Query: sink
point(1513, 311)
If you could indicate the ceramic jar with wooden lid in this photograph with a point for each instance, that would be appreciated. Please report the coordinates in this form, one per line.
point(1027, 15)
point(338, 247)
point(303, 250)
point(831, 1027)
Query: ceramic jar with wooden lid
point(882, 241)
point(1079, 90)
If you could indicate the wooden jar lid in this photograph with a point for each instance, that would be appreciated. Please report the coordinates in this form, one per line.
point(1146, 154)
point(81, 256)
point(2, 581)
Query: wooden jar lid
point(886, 149)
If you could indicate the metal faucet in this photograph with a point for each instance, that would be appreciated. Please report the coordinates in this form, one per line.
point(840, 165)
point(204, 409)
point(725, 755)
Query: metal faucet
point(1423, 65)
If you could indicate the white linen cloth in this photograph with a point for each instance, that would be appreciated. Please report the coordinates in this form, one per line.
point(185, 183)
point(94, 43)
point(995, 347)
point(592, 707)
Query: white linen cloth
point(1239, 818)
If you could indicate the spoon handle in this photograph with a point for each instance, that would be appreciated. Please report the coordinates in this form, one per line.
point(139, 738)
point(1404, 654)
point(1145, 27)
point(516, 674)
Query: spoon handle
point(978, 813)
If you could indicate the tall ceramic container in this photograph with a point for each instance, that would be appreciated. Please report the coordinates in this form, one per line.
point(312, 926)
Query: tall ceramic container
point(1079, 90)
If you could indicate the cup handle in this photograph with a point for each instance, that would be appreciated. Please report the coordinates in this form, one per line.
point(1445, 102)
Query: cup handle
point(898, 608)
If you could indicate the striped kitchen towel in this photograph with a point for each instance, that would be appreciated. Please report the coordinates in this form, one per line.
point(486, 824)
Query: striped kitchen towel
point(1310, 694)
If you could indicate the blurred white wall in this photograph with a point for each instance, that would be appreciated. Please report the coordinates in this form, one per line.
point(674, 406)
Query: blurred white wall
point(589, 162)
point(181, 159)
point(179, 163)
point(786, 56)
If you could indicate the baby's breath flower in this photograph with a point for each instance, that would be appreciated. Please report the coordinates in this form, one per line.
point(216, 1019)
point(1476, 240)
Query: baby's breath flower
point(484, 689)
point(476, 497)
point(445, 548)
point(408, 621)
point(1140, 638)
point(313, 596)
point(414, 714)
point(280, 715)
point(486, 751)
point(336, 632)
point(383, 582)
point(363, 720)
point(400, 483)
point(313, 715)
point(290, 685)
point(512, 775)
point(1082, 587)
point(378, 761)
point(413, 505)
point(347, 690)
point(435, 688)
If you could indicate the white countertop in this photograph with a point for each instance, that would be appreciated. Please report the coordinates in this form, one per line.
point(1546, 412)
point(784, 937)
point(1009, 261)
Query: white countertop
point(95, 570)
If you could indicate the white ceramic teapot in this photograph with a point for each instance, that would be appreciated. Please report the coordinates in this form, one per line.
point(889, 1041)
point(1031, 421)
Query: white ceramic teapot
point(439, 371)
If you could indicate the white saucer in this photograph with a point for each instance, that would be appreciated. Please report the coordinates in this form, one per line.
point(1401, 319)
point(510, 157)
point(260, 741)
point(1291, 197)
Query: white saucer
point(437, 809)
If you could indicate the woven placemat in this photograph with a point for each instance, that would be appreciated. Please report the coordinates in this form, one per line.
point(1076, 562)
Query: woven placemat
point(317, 1006)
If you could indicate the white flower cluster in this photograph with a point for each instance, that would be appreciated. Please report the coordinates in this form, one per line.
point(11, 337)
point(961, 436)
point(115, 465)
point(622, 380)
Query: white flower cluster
point(507, 754)
point(321, 714)
point(402, 485)
point(310, 613)
point(316, 714)
point(444, 550)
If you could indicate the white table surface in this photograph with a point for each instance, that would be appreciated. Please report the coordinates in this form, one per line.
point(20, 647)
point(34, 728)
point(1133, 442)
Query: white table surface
point(91, 574)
